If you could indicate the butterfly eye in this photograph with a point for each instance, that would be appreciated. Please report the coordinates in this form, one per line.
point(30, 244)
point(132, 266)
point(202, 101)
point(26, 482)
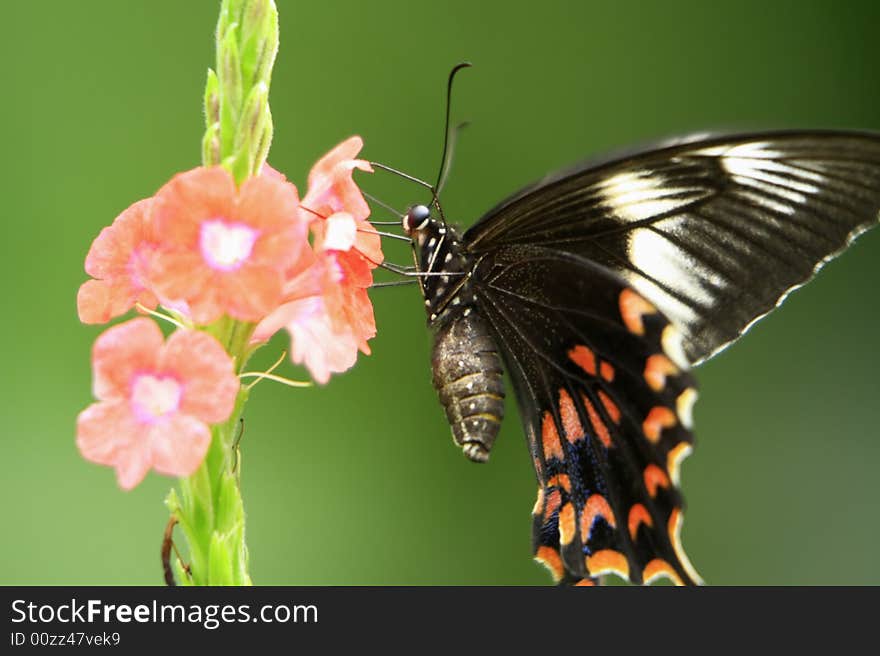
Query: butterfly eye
point(416, 218)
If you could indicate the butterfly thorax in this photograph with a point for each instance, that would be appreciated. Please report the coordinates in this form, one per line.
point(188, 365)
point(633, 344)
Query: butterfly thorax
point(445, 285)
point(465, 360)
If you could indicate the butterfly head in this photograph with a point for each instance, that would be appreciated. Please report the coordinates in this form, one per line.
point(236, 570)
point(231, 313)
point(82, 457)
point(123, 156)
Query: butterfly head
point(425, 230)
point(416, 219)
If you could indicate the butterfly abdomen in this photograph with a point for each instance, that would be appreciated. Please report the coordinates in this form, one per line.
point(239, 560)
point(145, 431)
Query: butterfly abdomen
point(468, 379)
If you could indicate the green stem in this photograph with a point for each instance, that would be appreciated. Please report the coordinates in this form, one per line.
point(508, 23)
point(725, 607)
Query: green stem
point(210, 511)
point(238, 130)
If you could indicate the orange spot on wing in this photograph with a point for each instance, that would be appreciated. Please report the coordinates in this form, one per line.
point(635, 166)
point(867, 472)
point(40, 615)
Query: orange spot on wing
point(560, 480)
point(654, 478)
point(553, 501)
point(596, 506)
point(598, 425)
point(566, 524)
point(550, 438)
point(632, 308)
point(584, 358)
point(585, 582)
point(571, 423)
point(638, 514)
point(549, 558)
point(658, 419)
point(659, 567)
point(610, 407)
point(657, 368)
point(607, 560)
point(607, 371)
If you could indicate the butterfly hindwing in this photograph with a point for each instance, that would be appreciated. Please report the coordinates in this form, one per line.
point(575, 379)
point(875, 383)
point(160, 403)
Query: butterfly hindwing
point(606, 411)
point(714, 231)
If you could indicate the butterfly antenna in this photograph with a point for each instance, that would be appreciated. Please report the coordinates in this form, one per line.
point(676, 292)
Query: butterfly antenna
point(449, 155)
point(449, 132)
point(448, 148)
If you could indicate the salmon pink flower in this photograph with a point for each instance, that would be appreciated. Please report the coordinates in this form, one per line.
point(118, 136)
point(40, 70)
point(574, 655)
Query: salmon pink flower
point(156, 400)
point(328, 313)
point(117, 261)
point(226, 250)
point(332, 189)
point(326, 308)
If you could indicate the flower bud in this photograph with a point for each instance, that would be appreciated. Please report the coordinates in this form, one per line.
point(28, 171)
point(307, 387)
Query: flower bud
point(212, 99)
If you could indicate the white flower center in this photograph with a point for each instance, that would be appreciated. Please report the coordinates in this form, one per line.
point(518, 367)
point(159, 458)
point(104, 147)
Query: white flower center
point(340, 232)
point(154, 397)
point(226, 246)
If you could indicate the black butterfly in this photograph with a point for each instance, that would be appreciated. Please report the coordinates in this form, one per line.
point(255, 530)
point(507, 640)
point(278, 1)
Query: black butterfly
point(598, 289)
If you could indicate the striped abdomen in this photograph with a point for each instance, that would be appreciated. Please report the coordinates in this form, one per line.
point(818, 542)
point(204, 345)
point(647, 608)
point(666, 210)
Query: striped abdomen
point(468, 378)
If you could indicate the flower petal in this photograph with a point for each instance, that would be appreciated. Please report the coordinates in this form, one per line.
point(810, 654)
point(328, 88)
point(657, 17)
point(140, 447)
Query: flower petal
point(108, 434)
point(331, 186)
point(178, 446)
point(206, 372)
point(369, 244)
point(315, 342)
point(122, 351)
point(252, 292)
point(98, 301)
point(189, 198)
point(267, 203)
point(116, 258)
point(179, 274)
point(110, 252)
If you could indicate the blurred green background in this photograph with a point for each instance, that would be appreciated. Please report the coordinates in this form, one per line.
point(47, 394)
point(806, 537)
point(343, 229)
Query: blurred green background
point(358, 482)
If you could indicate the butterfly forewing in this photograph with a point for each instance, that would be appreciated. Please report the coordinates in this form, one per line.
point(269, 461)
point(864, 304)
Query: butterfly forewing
point(713, 231)
point(606, 412)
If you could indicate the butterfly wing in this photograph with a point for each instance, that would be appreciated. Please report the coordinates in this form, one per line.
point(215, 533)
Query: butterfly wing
point(713, 231)
point(606, 412)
